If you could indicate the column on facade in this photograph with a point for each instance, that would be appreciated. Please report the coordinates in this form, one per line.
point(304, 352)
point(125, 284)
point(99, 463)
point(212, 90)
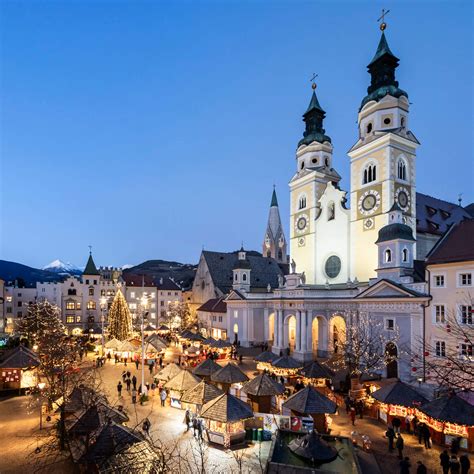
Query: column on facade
point(280, 328)
point(244, 325)
point(266, 329)
point(304, 337)
point(309, 331)
point(250, 325)
point(298, 331)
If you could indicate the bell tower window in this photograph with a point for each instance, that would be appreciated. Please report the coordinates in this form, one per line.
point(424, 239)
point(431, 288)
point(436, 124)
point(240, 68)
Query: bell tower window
point(401, 170)
point(302, 202)
point(370, 174)
point(244, 277)
point(369, 127)
point(388, 256)
point(302, 165)
point(404, 255)
point(331, 211)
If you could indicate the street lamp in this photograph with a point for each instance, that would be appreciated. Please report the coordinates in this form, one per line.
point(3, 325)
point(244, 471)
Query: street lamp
point(144, 305)
point(103, 305)
point(41, 385)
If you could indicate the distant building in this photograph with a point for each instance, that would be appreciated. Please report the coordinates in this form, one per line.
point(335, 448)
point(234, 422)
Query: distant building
point(212, 316)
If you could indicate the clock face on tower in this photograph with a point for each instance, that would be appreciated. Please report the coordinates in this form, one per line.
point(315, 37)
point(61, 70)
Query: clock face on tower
point(369, 202)
point(301, 223)
point(402, 197)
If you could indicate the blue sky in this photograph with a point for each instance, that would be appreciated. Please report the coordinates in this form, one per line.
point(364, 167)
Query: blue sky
point(152, 129)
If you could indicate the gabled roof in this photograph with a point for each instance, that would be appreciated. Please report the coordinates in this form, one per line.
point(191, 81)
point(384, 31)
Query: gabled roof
point(399, 393)
point(206, 368)
point(264, 270)
point(201, 393)
point(168, 372)
point(435, 216)
point(214, 305)
point(385, 288)
point(450, 408)
point(263, 386)
point(230, 373)
point(226, 409)
point(455, 246)
point(309, 401)
point(90, 269)
point(183, 381)
point(19, 357)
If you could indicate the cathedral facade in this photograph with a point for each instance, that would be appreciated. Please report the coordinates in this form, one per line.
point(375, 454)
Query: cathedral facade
point(347, 264)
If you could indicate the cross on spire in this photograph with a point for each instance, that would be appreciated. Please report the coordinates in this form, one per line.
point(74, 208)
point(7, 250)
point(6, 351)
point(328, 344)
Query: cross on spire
point(383, 25)
point(90, 249)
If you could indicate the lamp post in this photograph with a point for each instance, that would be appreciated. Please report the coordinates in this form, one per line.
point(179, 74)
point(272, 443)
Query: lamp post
point(103, 304)
point(144, 305)
point(41, 385)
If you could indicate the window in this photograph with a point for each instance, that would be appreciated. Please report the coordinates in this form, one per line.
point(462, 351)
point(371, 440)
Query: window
point(466, 350)
point(440, 315)
point(236, 328)
point(326, 161)
point(71, 292)
point(439, 280)
point(404, 255)
point(465, 279)
point(440, 349)
point(280, 254)
point(302, 165)
point(19, 295)
point(78, 305)
point(175, 293)
point(402, 170)
point(369, 127)
point(402, 122)
point(9, 309)
point(169, 293)
point(78, 319)
point(153, 315)
point(152, 306)
point(314, 161)
point(87, 282)
point(132, 294)
point(95, 282)
point(466, 314)
point(386, 121)
point(102, 292)
point(244, 277)
point(162, 303)
point(132, 305)
point(220, 319)
point(332, 266)
point(302, 202)
point(70, 305)
point(269, 254)
point(389, 324)
point(19, 314)
point(20, 304)
point(236, 277)
point(91, 305)
point(214, 318)
point(69, 319)
point(388, 256)
point(331, 211)
point(91, 291)
point(236, 313)
point(163, 314)
point(370, 174)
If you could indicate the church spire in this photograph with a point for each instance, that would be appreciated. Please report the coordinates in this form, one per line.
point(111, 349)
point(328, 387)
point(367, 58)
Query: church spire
point(274, 244)
point(90, 269)
point(313, 118)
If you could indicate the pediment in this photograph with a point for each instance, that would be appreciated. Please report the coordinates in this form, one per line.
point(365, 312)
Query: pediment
point(387, 289)
point(235, 295)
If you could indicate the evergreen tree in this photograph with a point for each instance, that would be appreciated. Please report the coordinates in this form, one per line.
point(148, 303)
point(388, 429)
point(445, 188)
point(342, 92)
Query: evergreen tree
point(120, 320)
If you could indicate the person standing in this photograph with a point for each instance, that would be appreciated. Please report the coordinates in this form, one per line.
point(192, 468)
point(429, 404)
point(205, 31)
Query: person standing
point(146, 426)
point(396, 425)
point(444, 461)
point(195, 426)
point(426, 436)
point(161, 362)
point(399, 445)
point(119, 389)
point(408, 419)
point(454, 465)
point(134, 395)
point(136, 363)
point(352, 414)
point(465, 464)
point(163, 396)
point(347, 402)
point(124, 375)
point(391, 436)
point(405, 466)
point(187, 419)
point(128, 382)
point(421, 469)
point(420, 432)
point(200, 429)
point(134, 382)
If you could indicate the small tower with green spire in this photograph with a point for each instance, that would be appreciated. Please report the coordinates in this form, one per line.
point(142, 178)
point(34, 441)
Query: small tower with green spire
point(274, 244)
point(90, 272)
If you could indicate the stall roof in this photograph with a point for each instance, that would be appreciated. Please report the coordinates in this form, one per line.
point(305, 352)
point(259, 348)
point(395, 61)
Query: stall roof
point(399, 393)
point(221, 344)
point(263, 385)
point(226, 409)
point(201, 393)
point(206, 368)
point(182, 382)
point(316, 370)
point(19, 357)
point(168, 372)
point(450, 408)
point(310, 401)
point(287, 362)
point(267, 357)
point(230, 373)
point(112, 344)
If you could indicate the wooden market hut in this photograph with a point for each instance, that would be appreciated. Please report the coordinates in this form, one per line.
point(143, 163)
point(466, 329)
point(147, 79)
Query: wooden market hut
point(222, 347)
point(316, 374)
point(112, 345)
point(18, 369)
point(206, 368)
point(264, 360)
point(449, 417)
point(179, 384)
point(168, 372)
point(286, 366)
point(225, 417)
point(208, 341)
point(309, 401)
point(261, 391)
point(397, 399)
point(228, 375)
point(199, 395)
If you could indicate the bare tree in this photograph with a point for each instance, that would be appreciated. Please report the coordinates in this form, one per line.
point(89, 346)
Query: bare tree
point(179, 316)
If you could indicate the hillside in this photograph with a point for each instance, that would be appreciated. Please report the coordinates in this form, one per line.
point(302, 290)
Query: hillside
point(26, 276)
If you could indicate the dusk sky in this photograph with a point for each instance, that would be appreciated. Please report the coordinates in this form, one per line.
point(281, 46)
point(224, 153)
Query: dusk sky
point(151, 129)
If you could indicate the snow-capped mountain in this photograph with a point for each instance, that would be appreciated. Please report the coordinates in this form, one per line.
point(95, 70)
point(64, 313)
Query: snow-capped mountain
point(58, 266)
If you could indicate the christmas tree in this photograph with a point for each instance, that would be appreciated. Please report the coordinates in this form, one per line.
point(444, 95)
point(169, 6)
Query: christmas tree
point(120, 320)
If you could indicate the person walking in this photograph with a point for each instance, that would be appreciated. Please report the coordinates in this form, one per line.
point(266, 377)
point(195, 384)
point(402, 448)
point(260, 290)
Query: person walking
point(444, 461)
point(128, 382)
point(146, 426)
point(405, 466)
point(163, 396)
point(134, 382)
point(134, 395)
point(119, 389)
point(427, 436)
point(454, 465)
point(390, 434)
point(201, 428)
point(150, 368)
point(465, 464)
point(136, 363)
point(161, 362)
point(420, 432)
point(399, 444)
point(352, 414)
point(421, 469)
point(396, 423)
point(124, 375)
point(347, 402)
point(128, 374)
point(415, 425)
point(187, 419)
point(195, 425)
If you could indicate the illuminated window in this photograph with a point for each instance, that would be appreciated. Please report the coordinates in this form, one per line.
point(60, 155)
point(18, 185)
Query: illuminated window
point(102, 292)
point(132, 294)
point(236, 328)
point(69, 319)
point(91, 305)
point(70, 305)
point(132, 305)
point(78, 319)
point(78, 305)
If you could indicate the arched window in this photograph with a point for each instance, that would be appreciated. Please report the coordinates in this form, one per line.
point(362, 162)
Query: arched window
point(404, 255)
point(302, 165)
point(402, 170)
point(370, 174)
point(388, 256)
point(326, 161)
point(402, 122)
point(302, 202)
point(244, 277)
point(331, 211)
point(369, 127)
point(235, 277)
point(203, 285)
point(91, 305)
point(280, 255)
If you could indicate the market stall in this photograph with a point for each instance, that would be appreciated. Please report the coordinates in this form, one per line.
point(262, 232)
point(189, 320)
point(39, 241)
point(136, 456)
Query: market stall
point(265, 359)
point(168, 372)
point(229, 378)
point(225, 417)
point(126, 350)
point(395, 400)
point(163, 329)
point(309, 401)
point(18, 369)
point(316, 374)
point(112, 345)
point(261, 392)
point(206, 368)
point(222, 348)
point(449, 417)
point(179, 384)
point(199, 395)
point(286, 366)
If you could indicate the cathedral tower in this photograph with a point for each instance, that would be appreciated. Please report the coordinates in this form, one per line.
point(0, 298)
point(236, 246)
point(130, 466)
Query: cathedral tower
point(313, 172)
point(274, 244)
point(382, 162)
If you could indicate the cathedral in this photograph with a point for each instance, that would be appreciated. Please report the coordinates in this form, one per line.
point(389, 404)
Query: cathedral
point(347, 263)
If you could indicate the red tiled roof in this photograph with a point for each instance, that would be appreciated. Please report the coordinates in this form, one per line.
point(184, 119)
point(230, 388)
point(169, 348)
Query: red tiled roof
point(457, 245)
point(214, 305)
